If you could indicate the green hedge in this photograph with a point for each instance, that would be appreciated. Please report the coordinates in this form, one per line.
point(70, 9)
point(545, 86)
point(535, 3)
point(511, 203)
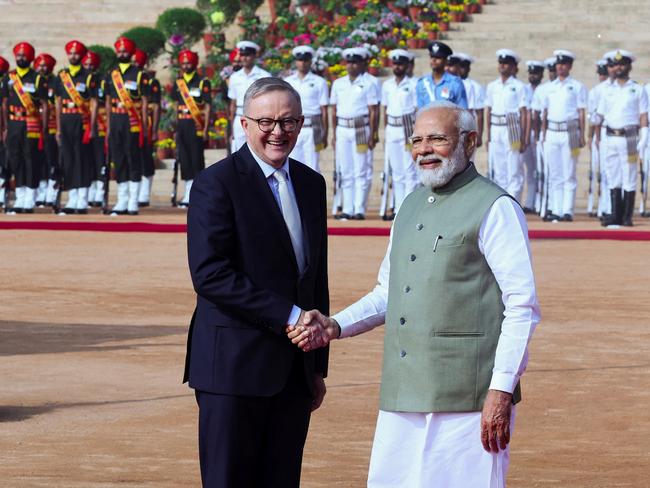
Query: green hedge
point(109, 59)
point(186, 21)
point(150, 40)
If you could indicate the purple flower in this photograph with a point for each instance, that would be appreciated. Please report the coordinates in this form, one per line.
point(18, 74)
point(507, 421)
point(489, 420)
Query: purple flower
point(176, 40)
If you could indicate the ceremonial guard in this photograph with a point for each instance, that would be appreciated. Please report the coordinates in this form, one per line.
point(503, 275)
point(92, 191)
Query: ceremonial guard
point(623, 109)
point(193, 101)
point(597, 197)
point(126, 99)
point(76, 111)
point(239, 82)
point(532, 166)
point(100, 170)
point(400, 105)
point(370, 161)
point(46, 192)
point(563, 123)
point(4, 67)
point(507, 129)
point(460, 64)
point(440, 85)
point(153, 106)
point(314, 96)
point(353, 99)
point(24, 100)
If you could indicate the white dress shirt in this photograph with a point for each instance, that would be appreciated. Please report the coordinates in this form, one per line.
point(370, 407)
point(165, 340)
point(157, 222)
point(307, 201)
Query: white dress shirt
point(375, 82)
point(475, 94)
point(537, 102)
point(352, 98)
point(399, 99)
point(564, 98)
point(240, 82)
point(622, 105)
point(506, 97)
point(503, 240)
point(313, 91)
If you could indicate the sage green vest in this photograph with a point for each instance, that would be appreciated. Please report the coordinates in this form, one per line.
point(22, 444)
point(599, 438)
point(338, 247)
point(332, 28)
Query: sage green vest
point(444, 305)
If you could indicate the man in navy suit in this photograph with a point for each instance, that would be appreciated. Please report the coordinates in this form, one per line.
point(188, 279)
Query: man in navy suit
point(257, 246)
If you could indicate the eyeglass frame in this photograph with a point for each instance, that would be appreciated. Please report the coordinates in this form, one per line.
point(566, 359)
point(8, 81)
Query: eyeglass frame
point(276, 122)
point(446, 143)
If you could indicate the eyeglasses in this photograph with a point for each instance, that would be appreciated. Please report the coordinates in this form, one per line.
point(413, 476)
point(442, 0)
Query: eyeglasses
point(435, 140)
point(267, 125)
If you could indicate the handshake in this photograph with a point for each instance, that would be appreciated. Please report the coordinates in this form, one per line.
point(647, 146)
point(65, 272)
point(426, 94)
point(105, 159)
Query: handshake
point(313, 330)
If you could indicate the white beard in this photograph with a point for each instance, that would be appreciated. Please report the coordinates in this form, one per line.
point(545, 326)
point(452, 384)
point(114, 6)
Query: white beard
point(440, 176)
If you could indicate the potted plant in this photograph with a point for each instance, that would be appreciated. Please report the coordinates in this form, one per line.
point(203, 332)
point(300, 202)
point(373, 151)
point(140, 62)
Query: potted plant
point(415, 8)
point(432, 30)
point(457, 13)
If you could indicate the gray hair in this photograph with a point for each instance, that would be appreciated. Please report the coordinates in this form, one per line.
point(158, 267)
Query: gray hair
point(267, 85)
point(465, 119)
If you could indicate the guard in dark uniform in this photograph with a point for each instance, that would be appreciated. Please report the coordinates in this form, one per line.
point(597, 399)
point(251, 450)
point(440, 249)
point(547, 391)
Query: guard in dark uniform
point(193, 100)
point(153, 92)
point(46, 192)
point(25, 110)
point(91, 61)
point(4, 67)
point(76, 108)
point(126, 99)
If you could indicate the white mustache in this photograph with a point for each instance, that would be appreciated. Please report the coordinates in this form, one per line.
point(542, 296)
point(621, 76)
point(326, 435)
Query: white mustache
point(430, 157)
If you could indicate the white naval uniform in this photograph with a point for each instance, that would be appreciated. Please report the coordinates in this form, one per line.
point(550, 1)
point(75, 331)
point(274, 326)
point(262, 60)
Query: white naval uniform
point(371, 153)
point(529, 157)
point(504, 98)
point(604, 202)
point(352, 99)
point(427, 450)
point(399, 100)
point(621, 106)
point(475, 99)
point(314, 93)
point(237, 86)
point(537, 105)
point(562, 102)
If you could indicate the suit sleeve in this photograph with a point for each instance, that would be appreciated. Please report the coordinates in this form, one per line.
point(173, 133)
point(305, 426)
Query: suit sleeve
point(212, 244)
point(322, 288)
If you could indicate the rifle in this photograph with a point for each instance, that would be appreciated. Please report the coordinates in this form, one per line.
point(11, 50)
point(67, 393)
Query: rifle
point(6, 174)
point(593, 171)
point(59, 176)
point(543, 180)
point(645, 166)
point(106, 176)
point(336, 177)
point(386, 180)
point(175, 178)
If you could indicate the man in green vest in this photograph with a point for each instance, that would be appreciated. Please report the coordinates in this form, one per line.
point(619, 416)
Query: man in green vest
point(457, 294)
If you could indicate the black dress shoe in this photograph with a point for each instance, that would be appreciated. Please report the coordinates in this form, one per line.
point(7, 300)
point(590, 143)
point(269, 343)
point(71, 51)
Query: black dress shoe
point(95, 204)
point(551, 217)
point(645, 215)
point(82, 211)
point(359, 216)
point(183, 205)
point(40, 204)
point(118, 212)
point(388, 217)
point(132, 212)
point(529, 211)
point(143, 204)
point(17, 210)
point(68, 210)
point(342, 216)
point(566, 218)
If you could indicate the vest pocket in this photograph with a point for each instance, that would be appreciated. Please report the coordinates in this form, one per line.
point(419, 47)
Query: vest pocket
point(456, 334)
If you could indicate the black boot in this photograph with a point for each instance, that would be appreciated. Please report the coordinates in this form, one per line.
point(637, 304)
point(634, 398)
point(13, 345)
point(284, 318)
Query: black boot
point(616, 215)
point(628, 207)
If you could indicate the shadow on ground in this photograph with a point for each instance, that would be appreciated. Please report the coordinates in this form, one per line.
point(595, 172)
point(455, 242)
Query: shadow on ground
point(17, 338)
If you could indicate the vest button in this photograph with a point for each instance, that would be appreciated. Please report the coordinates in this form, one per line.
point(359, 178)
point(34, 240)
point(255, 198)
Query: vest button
point(412, 257)
point(419, 227)
point(431, 199)
point(402, 320)
point(402, 354)
point(407, 289)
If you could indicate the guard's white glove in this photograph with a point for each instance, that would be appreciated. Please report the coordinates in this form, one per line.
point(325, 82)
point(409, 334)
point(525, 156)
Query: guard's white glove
point(643, 141)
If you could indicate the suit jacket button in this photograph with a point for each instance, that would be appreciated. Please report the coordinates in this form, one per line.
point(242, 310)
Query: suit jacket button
point(419, 227)
point(402, 320)
point(402, 353)
point(431, 199)
point(412, 257)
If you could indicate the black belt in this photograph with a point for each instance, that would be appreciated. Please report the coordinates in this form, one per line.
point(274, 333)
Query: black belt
point(632, 130)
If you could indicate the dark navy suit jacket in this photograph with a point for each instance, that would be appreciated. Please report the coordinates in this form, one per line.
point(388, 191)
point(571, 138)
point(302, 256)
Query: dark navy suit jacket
point(246, 278)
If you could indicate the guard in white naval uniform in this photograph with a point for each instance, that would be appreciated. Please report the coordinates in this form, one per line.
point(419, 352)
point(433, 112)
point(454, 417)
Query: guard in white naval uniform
point(370, 161)
point(536, 120)
point(531, 165)
point(314, 95)
point(353, 99)
point(623, 107)
point(400, 105)
point(506, 117)
point(563, 122)
point(239, 83)
point(598, 181)
point(460, 64)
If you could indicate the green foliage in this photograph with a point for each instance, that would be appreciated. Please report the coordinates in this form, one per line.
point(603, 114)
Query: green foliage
point(150, 40)
point(185, 21)
point(109, 59)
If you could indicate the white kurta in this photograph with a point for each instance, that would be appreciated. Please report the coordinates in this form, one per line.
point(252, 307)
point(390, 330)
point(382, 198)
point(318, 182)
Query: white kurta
point(503, 240)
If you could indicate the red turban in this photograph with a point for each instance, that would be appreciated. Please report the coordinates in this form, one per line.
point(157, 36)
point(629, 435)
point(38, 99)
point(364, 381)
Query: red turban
point(124, 43)
point(47, 59)
point(92, 58)
point(187, 56)
point(234, 54)
point(76, 47)
point(4, 65)
point(140, 58)
point(26, 49)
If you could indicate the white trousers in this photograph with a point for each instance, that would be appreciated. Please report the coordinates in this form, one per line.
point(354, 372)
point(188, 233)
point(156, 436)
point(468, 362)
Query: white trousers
point(561, 172)
point(434, 450)
point(305, 150)
point(238, 134)
point(620, 173)
point(400, 161)
point(506, 163)
point(604, 202)
point(353, 167)
point(530, 166)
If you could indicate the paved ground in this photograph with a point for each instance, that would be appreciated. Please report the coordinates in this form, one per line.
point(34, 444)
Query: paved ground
point(92, 340)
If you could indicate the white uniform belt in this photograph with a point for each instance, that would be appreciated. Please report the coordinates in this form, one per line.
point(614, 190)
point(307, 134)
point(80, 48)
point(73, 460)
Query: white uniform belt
point(630, 129)
point(345, 122)
point(308, 120)
point(496, 119)
point(556, 126)
point(396, 121)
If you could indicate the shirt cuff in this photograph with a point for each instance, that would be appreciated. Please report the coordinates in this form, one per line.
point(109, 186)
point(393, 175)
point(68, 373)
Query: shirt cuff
point(504, 382)
point(294, 316)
